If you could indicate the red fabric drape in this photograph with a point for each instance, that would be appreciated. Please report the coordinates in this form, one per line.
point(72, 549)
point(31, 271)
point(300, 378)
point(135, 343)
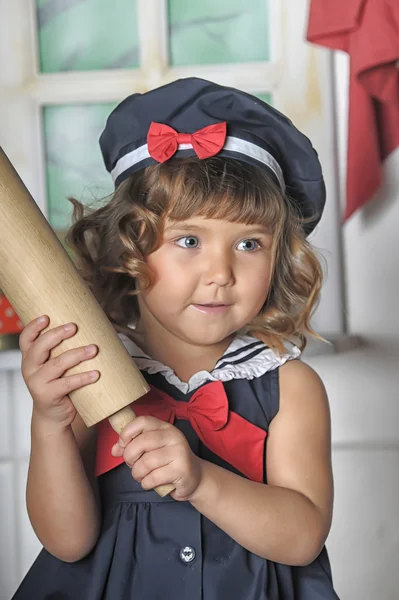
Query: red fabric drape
point(368, 30)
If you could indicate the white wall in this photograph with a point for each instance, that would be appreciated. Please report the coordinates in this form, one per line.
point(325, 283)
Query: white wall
point(363, 388)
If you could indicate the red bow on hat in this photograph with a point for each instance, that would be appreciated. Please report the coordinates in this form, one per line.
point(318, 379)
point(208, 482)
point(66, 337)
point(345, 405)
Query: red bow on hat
point(163, 141)
point(225, 433)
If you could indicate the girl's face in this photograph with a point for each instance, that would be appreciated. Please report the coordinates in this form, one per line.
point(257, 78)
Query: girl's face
point(211, 278)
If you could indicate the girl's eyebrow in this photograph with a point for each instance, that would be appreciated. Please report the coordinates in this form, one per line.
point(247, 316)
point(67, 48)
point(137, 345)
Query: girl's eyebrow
point(260, 229)
point(182, 227)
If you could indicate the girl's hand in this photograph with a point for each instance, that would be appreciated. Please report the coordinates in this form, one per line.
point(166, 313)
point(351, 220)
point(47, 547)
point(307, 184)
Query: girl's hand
point(158, 453)
point(44, 376)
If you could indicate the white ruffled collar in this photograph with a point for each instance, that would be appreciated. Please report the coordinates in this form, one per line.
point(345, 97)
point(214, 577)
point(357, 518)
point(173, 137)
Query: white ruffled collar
point(245, 358)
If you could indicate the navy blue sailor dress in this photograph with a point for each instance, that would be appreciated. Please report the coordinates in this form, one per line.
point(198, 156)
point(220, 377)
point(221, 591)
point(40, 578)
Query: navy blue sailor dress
point(153, 548)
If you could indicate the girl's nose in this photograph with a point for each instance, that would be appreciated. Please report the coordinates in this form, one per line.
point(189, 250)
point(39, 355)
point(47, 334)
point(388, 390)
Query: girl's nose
point(219, 270)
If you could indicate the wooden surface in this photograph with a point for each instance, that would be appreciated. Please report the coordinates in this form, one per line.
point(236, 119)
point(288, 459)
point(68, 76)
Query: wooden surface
point(38, 277)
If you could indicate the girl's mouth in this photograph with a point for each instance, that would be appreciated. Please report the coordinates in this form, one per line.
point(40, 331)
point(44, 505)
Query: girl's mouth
point(212, 309)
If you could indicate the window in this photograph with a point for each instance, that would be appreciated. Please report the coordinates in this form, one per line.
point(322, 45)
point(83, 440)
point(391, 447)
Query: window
point(73, 60)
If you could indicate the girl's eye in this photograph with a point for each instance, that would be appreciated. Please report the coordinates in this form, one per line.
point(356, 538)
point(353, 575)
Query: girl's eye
point(189, 241)
point(249, 245)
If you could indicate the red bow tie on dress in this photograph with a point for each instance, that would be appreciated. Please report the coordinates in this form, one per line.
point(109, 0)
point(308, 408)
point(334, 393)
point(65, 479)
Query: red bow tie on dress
point(163, 141)
point(225, 433)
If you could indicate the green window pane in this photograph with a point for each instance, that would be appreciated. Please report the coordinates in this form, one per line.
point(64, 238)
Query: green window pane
point(209, 32)
point(74, 165)
point(80, 35)
point(266, 98)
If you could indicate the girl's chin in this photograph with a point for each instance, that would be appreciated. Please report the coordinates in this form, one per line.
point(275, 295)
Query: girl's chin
point(206, 338)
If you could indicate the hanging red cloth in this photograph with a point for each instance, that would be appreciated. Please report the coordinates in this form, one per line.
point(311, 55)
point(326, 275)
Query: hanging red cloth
point(368, 30)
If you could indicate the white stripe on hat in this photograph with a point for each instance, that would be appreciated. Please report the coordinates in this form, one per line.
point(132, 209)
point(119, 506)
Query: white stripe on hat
point(233, 144)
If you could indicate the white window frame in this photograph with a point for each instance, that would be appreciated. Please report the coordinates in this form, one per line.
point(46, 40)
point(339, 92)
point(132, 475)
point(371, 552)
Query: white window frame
point(299, 77)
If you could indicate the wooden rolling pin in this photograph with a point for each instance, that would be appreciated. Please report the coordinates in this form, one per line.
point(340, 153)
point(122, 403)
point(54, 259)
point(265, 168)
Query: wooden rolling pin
point(38, 277)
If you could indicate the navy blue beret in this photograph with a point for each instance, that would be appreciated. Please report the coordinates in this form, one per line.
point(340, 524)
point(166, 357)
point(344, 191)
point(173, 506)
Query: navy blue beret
point(194, 117)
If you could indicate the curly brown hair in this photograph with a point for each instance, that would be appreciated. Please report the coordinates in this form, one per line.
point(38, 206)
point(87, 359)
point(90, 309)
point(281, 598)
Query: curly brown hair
point(111, 242)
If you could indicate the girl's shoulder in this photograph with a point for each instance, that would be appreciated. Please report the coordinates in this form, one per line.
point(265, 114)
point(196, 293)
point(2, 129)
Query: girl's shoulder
point(301, 386)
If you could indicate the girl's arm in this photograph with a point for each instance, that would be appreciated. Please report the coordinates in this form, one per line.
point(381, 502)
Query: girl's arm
point(61, 492)
point(288, 520)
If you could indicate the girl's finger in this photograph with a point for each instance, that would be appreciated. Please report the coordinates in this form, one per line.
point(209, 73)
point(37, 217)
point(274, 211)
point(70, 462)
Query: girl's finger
point(65, 385)
point(39, 352)
point(56, 367)
point(161, 476)
point(150, 461)
point(140, 425)
point(31, 332)
point(144, 443)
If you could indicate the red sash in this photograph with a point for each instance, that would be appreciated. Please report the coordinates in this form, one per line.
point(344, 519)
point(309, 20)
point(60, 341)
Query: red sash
point(224, 432)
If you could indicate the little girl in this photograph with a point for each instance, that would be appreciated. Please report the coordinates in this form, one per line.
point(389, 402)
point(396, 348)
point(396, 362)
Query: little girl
point(200, 260)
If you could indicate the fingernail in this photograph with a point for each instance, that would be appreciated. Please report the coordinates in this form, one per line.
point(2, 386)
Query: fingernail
point(90, 348)
point(121, 443)
point(93, 374)
point(41, 319)
point(69, 327)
